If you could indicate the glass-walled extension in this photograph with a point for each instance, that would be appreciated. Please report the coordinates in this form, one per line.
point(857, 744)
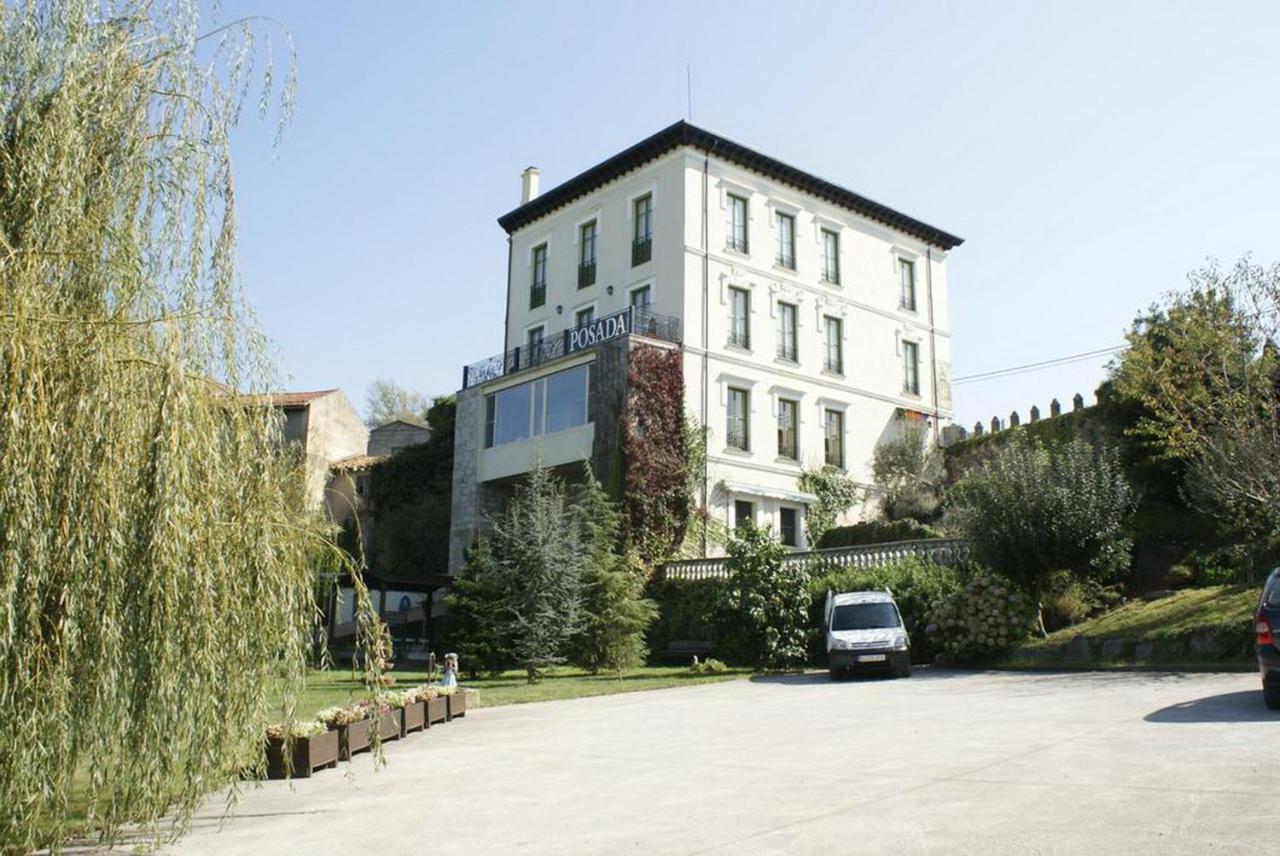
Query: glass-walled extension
point(547, 405)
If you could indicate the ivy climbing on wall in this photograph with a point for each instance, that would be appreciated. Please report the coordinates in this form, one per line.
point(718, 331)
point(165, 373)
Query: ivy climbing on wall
point(656, 458)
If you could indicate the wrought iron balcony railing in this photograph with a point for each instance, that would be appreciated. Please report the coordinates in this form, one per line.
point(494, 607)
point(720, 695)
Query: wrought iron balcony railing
point(537, 295)
point(586, 274)
point(641, 251)
point(634, 320)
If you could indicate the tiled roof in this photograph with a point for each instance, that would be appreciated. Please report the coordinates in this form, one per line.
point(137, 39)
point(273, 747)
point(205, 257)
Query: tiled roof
point(684, 134)
point(286, 399)
point(356, 462)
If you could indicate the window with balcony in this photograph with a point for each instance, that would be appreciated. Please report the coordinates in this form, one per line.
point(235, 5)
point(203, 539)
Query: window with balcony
point(785, 226)
point(737, 223)
point(642, 238)
point(744, 513)
point(835, 345)
point(642, 298)
point(788, 446)
point(911, 368)
point(584, 316)
point(538, 283)
point(787, 331)
point(739, 317)
point(831, 256)
point(587, 254)
point(549, 404)
point(833, 437)
point(736, 430)
point(907, 269)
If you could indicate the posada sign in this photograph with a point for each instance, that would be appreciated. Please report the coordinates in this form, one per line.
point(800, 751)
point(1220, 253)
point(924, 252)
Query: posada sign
point(601, 330)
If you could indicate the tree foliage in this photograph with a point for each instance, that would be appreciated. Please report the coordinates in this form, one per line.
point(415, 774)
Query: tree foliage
point(836, 493)
point(156, 560)
point(767, 601)
point(616, 615)
point(538, 563)
point(1205, 370)
point(473, 627)
point(386, 401)
point(1032, 510)
point(411, 496)
point(909, 475)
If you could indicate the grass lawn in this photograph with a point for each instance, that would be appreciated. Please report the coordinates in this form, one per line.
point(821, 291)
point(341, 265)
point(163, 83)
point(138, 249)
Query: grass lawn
point(1220, 614)
point(339, 686)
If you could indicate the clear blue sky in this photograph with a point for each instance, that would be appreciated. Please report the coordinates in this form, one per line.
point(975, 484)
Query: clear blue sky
point(1090, 153)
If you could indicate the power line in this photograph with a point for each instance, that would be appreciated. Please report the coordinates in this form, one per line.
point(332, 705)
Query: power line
point(1043, 364)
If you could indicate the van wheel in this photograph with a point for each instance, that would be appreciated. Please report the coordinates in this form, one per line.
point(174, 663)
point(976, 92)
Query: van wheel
point(905, 671)
point(1271, 695)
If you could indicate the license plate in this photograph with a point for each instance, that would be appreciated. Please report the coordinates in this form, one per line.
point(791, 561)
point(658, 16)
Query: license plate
point(871, 658)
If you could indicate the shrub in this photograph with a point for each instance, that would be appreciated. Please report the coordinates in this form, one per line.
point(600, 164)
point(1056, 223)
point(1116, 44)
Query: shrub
point(709, 666)
point(472, 627)
point(616, 617)
point(985, 618)
point(1069, 600)
point(766, 600)
point(1032, 510)
point(1180, 576)
point(877, 532)
point(917, 584)
point(687, 610)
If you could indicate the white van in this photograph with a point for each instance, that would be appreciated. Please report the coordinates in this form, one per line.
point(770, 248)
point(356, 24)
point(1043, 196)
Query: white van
point(865, 633)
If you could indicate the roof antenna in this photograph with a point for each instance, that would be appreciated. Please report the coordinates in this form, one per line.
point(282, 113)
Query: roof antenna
point(688, 82)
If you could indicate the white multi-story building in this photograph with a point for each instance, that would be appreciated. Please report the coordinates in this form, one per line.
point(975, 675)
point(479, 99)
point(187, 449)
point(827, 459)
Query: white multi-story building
point(812, 321)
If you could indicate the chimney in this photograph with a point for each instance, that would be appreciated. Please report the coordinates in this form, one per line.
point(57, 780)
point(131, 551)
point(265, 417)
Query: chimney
point(529, 185)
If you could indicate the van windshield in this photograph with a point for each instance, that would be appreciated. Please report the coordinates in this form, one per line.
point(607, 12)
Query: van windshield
point(865, 616)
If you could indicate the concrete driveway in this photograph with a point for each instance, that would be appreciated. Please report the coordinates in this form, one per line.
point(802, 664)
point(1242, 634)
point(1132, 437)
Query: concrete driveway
point(946, 762)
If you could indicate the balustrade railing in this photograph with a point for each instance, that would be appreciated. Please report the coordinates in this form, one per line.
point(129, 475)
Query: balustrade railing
point(944, 551)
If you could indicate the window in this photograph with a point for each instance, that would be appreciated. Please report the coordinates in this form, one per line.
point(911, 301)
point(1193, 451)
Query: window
point(787, 331)
point(833, 437)
point(908, 271)
point(736, 430)
point(533, 346)
point(911, 367)
point(831, 256)
point(786, 229)
point(642, 298)
point(543, 406)
point(538, 285)
point(835, 345)
point(787, 447)
point(587, 254)
point(743, 513)
point(584, 316)
point(787, 528)
point(739, 317)
point(642, 240)
point(737, 223)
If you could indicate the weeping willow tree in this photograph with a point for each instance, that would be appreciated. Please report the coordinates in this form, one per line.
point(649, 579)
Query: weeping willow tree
point(156, 557)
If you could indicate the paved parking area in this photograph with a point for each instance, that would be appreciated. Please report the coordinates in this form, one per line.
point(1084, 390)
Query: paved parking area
point(946, 762)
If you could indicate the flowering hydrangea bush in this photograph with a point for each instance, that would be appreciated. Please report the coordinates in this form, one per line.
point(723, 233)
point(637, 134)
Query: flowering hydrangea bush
point(983, 619)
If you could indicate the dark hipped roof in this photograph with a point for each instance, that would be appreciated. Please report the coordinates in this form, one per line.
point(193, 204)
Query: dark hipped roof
point(684, 134)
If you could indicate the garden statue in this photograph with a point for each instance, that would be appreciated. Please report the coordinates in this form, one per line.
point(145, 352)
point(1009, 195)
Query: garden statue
point(450, 679)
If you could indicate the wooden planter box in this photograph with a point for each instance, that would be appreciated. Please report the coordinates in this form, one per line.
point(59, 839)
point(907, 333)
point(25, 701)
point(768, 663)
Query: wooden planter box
point(353, 738)
point(309, 754)
point(413, 718)
point(457, 704)
point(437, 710)
point(389, 724)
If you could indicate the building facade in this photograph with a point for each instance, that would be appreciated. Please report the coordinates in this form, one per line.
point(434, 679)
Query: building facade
point(812, 324)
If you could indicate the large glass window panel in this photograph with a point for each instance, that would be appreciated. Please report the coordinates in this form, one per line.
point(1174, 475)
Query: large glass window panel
point(567, 399)
point(511, 414)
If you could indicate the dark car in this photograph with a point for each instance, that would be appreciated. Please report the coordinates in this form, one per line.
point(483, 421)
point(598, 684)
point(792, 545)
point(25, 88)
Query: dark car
point(1267, 625)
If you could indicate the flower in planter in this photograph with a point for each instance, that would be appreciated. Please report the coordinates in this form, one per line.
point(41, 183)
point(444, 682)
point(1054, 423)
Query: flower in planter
point(337, 717)
point(296, 730)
